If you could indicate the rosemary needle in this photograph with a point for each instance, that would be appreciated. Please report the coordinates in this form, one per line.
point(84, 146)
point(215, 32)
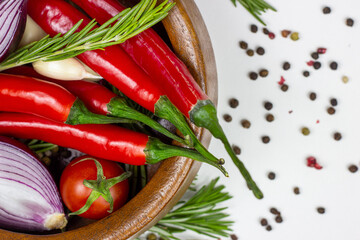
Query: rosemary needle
point(255, 7)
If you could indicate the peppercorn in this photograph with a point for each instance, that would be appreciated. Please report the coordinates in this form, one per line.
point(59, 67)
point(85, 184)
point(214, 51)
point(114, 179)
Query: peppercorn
point(305, 131)
point(274, 211)
point(227, 118)
point(278, 219)
point(263, 222)
point(285, 33)
point(326, 10)
point(271, 35)
point(271, 175)
point(151, 236)
point(268, 228)
point(253, 75)
point(345, 79)
point(296, 190)
point(353, 168)
point(265, 31)
point(317, 65)
point(243, 45)
point(260, 51)
point(337, 136)
point(269, 117)
point(306, 73)
point(333, 65)
point(268, 106)
point(236, 150)
point(294, 36)
point(331, 110)
point(263, 73)
point(286, 66)
point(350, 22)
point(284, 87)
point(333, 102)
point(233, 102)
point(250, 52)
point(312, 96)
point(245, 123)
point(253, 28)
point(321, 210)
point(315, 55)
point(265, 139)
point(233, 237)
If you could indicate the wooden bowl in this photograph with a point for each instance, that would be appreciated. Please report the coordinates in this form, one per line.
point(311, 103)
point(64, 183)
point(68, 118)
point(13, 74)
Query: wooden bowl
point(191, 42)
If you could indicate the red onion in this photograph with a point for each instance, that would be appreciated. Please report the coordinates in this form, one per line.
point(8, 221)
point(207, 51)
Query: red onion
point(12, 25)
point(29, 199)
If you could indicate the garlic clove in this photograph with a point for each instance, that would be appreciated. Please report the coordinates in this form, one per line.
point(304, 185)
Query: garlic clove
point(68, 69)
point(32, 33)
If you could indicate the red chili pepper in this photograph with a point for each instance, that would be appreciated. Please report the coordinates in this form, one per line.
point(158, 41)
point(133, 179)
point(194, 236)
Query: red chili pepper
point(101, 100)
point(168, 72)
point(104, 141)
point(56, 16)
point(30, 95)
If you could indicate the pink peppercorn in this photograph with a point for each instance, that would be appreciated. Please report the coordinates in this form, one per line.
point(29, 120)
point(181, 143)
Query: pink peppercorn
point(321, 50)
point(271, 35)
point(310, 63)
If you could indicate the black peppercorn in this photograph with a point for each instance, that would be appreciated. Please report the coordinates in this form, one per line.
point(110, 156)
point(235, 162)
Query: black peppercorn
point(317, 65)
point(263, 73)
point(312, 96)
point(321, 210)
point(233, 237)
point(286, 66)
point(333, 102)
point(268, 228)
point(326, 10)
point(227, 118)
point(274, 211)
point(331, 110)
point(253, 75)
point(333, 65)
point(269, 117)
point(315, 55)
point(337, 136)
point(243, 45)
point(245, 123)
point(353, 168)
point(265, 31)
point(233, 102)
point(260, 51)
point(263, 222)
point(253, 28)
point(271, 175)
point(236, 150)
point(296, 190)
point(278, 219)
point(284, 87)
point(350, 22)
point(306, 73)
point(265, 139)
point(268, 106)
point(250, 52)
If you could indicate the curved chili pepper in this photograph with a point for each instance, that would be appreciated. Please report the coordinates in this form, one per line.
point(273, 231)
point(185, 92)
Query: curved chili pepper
point(150, 52)
point(112, 63)
point(104, 141)
point(100, 100)
point(31, 95)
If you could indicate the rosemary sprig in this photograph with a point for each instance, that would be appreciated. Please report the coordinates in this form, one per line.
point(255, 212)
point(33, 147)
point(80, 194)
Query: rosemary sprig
point(199, 214)
point(40, 146)
point(130, 22)
point(255, 7)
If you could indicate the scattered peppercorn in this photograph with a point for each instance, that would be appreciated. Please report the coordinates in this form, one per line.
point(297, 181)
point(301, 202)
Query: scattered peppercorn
point(305, 131)
point(268, 106)
point(337, 136)
point(294, 36)
point(233, 237)
point(269, 117)
point(265, 31)
point(285, 33)
point(296, 190)
point(271, 175)
point(253, 75)
point(331, 110)
point(333, 102)
point(326, 10)
point(151, 236)
point(321, 210)
point(286, 66)
point(263, 73)
point(265, 139)
point(310, 63)
point(260, 51)
point(317, 65)
point(233, 102)
point(236, 150)
point(306, 73)
point(227, 118)
point(312, 96)
point(345, 79)
point(321, 50)
point(315, 55)
point(333, 65)
point(353, 168)
point(271, 35)
point(268, 228)
point(284, 87)
point(250, 52)
point(274, 211)
point(245, 123)
point(263, 222)
point(253, 28)
point(243, 45)
point(350, 22)
point(278, 219)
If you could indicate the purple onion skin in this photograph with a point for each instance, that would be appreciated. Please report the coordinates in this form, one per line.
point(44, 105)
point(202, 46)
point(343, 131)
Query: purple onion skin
point(12, 25)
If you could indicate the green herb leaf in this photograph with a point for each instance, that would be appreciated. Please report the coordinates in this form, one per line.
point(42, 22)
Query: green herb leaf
point(131, 21)
point(255, 7)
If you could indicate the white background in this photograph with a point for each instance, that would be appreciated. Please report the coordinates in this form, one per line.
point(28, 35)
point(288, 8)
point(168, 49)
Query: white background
point(333, 187)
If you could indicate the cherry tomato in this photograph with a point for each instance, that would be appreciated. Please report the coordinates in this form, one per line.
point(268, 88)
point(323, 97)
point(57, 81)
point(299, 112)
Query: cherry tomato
point(75, 194)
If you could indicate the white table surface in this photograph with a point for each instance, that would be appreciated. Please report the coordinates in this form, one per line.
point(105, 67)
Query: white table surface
point(333, 187)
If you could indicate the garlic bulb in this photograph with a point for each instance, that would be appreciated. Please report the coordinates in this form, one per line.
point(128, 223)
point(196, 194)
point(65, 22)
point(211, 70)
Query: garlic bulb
point(68, 69)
